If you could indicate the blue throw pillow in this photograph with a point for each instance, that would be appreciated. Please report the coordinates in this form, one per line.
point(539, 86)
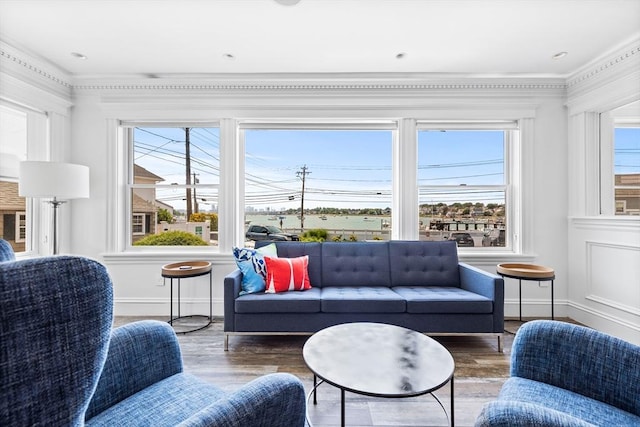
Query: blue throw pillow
point(253, 267)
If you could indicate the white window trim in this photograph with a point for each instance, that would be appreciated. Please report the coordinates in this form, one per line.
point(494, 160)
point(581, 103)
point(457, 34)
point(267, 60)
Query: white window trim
point(608, 125)
point(325, 124)
point(515, 132)
point(120, 171)
point(38, 215)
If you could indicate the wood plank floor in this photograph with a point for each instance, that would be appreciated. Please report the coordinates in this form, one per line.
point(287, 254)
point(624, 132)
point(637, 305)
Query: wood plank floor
point(479, 373)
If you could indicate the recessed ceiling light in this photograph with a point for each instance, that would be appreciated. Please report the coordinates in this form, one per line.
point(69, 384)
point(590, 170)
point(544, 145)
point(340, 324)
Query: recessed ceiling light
point(228, 56)
point(560, 55)
point(78, 55)
point(401, 55)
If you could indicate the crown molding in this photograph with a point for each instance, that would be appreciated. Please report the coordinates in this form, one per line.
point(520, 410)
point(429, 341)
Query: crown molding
point(43, 74)
point(32, 65)
point(612, 78)
point(327, 85)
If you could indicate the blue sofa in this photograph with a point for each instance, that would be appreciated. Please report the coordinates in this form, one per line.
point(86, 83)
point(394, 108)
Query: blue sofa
point(418, 285)
point(564, 375)
point(61, 364)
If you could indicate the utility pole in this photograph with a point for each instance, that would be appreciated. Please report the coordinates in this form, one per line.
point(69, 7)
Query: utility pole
point(195, 197)
point(302, 174)
point(187, 154)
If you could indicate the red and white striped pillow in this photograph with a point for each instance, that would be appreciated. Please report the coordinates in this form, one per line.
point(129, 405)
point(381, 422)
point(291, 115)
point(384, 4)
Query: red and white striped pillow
point(287, 274)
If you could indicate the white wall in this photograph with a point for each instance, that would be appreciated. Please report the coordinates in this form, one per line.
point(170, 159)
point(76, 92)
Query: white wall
point(557, 229)
point(604, 251)
point(98, 108)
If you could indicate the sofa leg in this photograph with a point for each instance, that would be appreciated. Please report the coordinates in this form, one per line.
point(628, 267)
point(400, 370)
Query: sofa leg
point(226, 342)
point(500, 349)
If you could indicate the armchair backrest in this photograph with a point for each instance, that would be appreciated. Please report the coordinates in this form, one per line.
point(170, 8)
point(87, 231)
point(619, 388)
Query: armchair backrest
point(6, 251)
point(580, 359)
point(56, 315)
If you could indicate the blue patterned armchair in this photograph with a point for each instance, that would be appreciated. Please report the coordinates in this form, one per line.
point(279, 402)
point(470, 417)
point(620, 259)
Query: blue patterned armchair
point(62, 364)
point(567, 375)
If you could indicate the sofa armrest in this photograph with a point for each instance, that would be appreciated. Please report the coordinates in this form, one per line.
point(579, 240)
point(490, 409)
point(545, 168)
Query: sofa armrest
point(504, 413)
point(488, 285)
point(232, 285)
point(140, 354)
point(579, 359)
point(275, 400)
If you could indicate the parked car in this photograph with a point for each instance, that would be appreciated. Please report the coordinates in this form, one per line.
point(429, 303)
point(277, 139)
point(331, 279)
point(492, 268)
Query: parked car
point(462, 239)
point(269, 232)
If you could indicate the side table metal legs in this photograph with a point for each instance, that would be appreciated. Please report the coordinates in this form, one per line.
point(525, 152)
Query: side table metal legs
point(520, 298)
point(209, 318)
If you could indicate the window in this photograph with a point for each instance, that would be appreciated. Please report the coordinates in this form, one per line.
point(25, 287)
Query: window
point(13, 150)
point(626, 169)
point(620, 161)
point(327, 181)
point(173, 185)
point(137, 224)
point(463, 183)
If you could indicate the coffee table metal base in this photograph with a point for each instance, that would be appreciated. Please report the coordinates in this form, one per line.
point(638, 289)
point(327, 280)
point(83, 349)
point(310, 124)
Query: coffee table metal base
point(317, 384)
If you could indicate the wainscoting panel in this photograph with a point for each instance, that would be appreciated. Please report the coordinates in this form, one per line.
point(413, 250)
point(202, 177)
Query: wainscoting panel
point(613, 275)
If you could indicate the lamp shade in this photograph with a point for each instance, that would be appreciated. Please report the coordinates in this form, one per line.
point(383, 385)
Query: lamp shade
point(51, 179)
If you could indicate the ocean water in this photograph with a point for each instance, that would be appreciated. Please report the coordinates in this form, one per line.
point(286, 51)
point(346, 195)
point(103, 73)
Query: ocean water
point(332, 222)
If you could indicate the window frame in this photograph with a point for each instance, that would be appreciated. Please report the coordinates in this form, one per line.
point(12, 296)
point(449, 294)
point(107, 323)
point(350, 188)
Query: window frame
point(125, 131)
point(316, 125)
point(609, 122)
point(37, 215)
point(513, 135)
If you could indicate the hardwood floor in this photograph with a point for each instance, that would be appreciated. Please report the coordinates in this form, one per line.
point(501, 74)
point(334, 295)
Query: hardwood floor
point(479, 374)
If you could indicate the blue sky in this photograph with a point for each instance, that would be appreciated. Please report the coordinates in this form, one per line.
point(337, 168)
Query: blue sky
point(627, 150)
point(346, 168)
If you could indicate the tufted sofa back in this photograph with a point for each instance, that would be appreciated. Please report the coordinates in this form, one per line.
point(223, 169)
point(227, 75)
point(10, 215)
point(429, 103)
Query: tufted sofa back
point(424, 263)
point(392, 263)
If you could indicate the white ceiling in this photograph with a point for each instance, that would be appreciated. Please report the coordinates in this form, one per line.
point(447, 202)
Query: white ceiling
point(184, 37)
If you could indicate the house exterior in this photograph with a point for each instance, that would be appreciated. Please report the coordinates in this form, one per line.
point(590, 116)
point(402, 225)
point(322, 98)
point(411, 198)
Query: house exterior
point(144, 204)
point(12, 216)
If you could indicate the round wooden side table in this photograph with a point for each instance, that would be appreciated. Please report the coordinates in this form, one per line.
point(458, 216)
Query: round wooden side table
point(527, 272)
point(184, 270)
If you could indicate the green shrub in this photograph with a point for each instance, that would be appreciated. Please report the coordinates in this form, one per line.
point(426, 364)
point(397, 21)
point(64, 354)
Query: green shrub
point(171, 238)
point(315, 235)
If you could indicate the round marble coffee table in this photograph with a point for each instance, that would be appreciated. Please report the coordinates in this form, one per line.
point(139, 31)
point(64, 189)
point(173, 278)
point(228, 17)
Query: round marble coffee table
point(379, 360)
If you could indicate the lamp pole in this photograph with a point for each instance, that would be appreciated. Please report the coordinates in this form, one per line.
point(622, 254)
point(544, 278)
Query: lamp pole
point(55, 203)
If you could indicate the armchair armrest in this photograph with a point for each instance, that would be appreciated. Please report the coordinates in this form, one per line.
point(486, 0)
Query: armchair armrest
point(579, 359)
point(503, 413)
point(275, 400)
point(232, 286)
point(488, 285)
point(140, 354)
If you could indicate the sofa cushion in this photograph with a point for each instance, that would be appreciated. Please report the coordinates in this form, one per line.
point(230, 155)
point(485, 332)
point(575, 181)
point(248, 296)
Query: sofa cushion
point(254, 270)
point(285, 302)
point(414, 263)
point(355, 264)
point(545, 395)
point(165, 403)
point(361, 299)
point(443, 299)
point(298, 249)
point(287, 274)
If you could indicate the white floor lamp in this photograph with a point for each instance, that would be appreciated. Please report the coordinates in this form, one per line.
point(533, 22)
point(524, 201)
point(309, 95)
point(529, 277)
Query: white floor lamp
point(58, 181)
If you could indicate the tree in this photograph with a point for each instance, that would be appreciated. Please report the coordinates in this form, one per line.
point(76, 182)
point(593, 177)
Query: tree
point(164, 215)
